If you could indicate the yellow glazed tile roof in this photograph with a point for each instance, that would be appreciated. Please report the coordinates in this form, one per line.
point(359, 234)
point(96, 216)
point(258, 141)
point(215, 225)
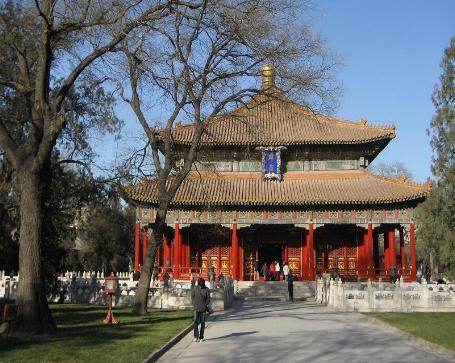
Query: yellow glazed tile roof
point(272, 119)
point(296, 189)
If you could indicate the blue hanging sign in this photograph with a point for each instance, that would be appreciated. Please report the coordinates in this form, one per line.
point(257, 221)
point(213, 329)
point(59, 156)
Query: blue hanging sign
point(271, 162)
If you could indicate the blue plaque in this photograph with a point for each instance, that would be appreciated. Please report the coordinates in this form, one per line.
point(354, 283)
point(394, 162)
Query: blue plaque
point(271, 162)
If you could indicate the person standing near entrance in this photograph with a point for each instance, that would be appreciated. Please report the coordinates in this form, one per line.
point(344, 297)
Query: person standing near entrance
point(256, 270)
point(277, 271)
point(291, 288)
point(286, 271)
point(200, 296)
point(211, 274)
point(265, 271)
point(272, 270)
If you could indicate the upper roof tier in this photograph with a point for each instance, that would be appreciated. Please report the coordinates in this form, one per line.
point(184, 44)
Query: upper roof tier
point(272, 119)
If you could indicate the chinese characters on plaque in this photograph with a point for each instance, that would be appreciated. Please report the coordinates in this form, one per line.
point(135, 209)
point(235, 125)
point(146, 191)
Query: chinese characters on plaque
point(272, 168)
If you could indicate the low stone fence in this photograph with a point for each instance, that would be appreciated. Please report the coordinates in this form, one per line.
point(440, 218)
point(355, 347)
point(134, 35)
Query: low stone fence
point(88, 288)
point(386, 297)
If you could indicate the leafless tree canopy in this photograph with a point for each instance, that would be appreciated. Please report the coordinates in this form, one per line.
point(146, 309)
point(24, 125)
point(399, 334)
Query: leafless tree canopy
point(395, 170)
point(201, 61)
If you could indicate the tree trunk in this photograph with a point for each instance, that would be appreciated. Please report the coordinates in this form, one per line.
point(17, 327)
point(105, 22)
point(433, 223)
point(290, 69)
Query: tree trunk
point(155, 237)
point(34, 316)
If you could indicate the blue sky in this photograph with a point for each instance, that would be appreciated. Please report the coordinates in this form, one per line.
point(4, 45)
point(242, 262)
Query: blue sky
point(391, 52)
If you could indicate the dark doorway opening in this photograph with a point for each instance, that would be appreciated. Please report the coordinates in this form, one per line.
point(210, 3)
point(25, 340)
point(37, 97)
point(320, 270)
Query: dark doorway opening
point(269, 252)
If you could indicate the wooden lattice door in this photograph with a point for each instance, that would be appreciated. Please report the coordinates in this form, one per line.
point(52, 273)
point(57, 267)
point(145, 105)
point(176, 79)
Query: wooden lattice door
point(215, 254)
point(343, 256)
point(337, 249)
point(294, 252)
point(210, 255)
point(249, 255)
point(210, 247)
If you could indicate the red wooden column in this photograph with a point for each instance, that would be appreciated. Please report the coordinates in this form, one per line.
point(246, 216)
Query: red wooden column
point(362, 257)
point(286, 253)
point(386, 252)
point(144, 244)
point(310, 248)
point(235, 252)
point(183, 262)
point(178, 250)
point(241, 270)
point(187, 260)
point(137, 245)
point(402, 250)
point(166, 252)
point(370, 252)
point(304, 256)
point(412, 245)
point(392, 249)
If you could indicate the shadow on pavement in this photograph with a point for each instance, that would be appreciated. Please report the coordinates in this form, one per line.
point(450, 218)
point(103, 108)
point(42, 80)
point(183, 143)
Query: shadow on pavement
point(239, 334)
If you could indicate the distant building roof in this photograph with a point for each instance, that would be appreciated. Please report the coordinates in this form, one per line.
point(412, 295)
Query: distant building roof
point(296, 189)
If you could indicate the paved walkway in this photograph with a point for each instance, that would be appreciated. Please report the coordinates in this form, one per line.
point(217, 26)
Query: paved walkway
point(295, 332)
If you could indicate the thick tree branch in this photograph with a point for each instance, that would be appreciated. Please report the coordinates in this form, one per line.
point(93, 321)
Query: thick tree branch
point(153, 13)
point(9, 146)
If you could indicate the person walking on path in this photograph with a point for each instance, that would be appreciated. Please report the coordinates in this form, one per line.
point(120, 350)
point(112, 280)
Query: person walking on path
point(200, 296)
point(265, 271)
point(286, 271)
point(291, 288)
point(277, 271)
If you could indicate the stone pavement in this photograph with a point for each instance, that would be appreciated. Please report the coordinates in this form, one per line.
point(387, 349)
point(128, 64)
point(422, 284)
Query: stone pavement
point(259, 331)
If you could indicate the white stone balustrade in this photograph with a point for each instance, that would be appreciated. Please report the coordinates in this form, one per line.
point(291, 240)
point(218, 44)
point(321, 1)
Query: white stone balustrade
point(86, 287)
point(386, 297)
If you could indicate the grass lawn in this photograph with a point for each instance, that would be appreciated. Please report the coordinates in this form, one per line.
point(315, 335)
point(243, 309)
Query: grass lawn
point(436, 328)
point(82, 337)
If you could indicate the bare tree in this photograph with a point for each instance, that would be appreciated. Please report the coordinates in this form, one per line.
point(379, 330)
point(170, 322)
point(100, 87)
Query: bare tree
point(208, 61)
point(46, 46)
point(395, 169)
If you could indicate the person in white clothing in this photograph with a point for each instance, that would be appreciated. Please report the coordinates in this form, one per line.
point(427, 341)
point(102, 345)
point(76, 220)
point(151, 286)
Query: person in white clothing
point(277, 271)
point(286, 271)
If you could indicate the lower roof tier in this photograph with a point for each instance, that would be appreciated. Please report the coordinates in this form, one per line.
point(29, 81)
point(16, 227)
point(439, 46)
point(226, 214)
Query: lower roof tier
point(296, 189)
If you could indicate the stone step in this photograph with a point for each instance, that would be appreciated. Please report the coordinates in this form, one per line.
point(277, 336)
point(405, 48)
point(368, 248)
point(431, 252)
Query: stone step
point(269, 298)
point(272, 287)
point(273, 290)
point(265, 298)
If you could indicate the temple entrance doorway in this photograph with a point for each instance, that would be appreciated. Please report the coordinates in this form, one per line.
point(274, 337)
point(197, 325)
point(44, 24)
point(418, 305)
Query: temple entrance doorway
point(268, 252)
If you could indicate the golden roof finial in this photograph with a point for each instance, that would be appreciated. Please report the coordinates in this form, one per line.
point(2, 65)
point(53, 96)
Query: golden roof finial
point(268, 76)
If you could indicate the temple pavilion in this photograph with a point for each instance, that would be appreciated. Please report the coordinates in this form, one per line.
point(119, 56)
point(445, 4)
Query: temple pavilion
point(276, 181)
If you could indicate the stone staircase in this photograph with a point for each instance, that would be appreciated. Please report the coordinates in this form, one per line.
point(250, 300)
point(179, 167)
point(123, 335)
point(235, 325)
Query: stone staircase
point(273, 290)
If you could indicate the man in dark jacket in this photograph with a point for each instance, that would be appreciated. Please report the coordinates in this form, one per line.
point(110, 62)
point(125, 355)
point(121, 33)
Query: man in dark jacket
point(291, 287)
point(200, 296)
